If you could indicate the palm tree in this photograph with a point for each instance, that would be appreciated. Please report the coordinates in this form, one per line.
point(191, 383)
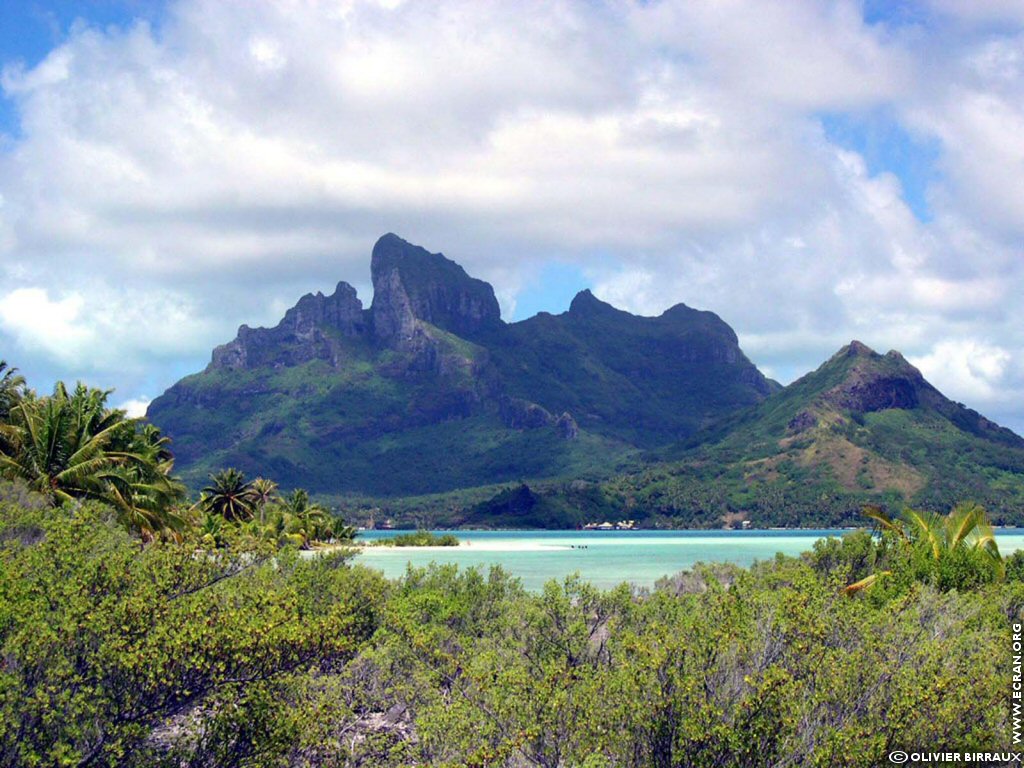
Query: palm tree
point(230, 495)
point(71, 446)
point(964, 530)
point(264, 493)
point(341, 531)
point(211, 530)
point(149, 487)
point(304, 518)
point(12, 389)
point(966, 527)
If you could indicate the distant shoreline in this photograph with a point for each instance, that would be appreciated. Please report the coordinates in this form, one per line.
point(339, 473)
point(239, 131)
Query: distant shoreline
point(598, 531)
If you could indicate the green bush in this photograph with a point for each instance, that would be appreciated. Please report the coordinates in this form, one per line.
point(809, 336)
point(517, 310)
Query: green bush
point(421, 539)
point(107, 644)
point(173, 654)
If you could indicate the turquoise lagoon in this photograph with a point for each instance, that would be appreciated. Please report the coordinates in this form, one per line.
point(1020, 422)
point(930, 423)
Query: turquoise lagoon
point(606, 558)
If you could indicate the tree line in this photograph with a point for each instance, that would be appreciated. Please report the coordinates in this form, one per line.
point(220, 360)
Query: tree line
point(72, 446)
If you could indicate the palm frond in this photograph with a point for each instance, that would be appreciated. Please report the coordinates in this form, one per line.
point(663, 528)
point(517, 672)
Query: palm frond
point(864, 583)
point(884, 521)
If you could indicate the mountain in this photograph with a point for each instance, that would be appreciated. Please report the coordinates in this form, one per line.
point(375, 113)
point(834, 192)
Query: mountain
point(862, 427)
point(428, 390)
point(644, 380)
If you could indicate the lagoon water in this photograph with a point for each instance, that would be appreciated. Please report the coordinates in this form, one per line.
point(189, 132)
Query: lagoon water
point(606, 558)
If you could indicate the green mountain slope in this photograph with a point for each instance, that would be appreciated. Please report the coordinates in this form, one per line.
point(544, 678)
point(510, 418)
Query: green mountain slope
point(862, 428)
point(645, 380)
point(428, 390)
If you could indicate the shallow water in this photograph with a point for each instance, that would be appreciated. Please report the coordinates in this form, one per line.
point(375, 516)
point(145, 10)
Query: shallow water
point(607, 558)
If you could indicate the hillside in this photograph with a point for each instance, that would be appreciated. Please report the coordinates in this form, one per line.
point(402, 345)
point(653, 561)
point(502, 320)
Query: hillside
point(862, 427)
point(645, 380)
point(428, 390)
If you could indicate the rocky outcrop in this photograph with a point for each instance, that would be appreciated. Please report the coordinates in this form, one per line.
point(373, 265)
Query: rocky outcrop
point(416, 293)
point(411, 284)
point(567, 427)
point(342, 311)
point(802, 422)
point(427, 351)
point(876, 393)
point(875, 382)
point(517, 413)
point(308, 331)
point(522, 414)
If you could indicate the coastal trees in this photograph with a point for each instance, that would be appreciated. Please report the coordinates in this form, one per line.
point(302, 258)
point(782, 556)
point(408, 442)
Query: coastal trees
point(264, 492)
point(953, 551)
point(12, 389)
point(230, 495)
point(230, 500)
point(256, 508)
point(342, 531)
point(71, 445)
point(304, 520)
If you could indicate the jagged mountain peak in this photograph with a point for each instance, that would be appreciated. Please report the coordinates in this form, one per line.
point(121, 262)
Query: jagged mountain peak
point(308, 331)
point(430, 370)
point(410, 283)
point(857, 381)
point(858, 356)
point(586, 303)
point(859, 351)
point(855, 349)
point(341, 309)
point(863, 427)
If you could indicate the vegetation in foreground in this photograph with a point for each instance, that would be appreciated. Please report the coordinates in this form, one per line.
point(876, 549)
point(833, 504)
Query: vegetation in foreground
point(176, 653)
point(139, 630)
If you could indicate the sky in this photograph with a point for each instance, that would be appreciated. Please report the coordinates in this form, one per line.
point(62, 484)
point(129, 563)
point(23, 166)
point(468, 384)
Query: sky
point(813, 172)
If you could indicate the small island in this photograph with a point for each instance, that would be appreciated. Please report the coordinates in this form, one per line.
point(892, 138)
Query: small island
point(419, 539)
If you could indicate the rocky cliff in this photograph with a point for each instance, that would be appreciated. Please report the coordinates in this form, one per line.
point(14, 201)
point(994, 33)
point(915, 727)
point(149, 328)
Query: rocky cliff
point(413, 286)
point(314, 329)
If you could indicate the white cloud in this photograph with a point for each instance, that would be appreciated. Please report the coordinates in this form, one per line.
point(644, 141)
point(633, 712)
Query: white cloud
point(99, 330)
point(966, 369)
point(168, 186)
point(34, 320)
point(266, 53)
point(136, 407)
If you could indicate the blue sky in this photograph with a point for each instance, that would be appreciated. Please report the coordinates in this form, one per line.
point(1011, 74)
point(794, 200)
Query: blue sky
point(30, 29)
point(887, 147)
point(811, 171)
